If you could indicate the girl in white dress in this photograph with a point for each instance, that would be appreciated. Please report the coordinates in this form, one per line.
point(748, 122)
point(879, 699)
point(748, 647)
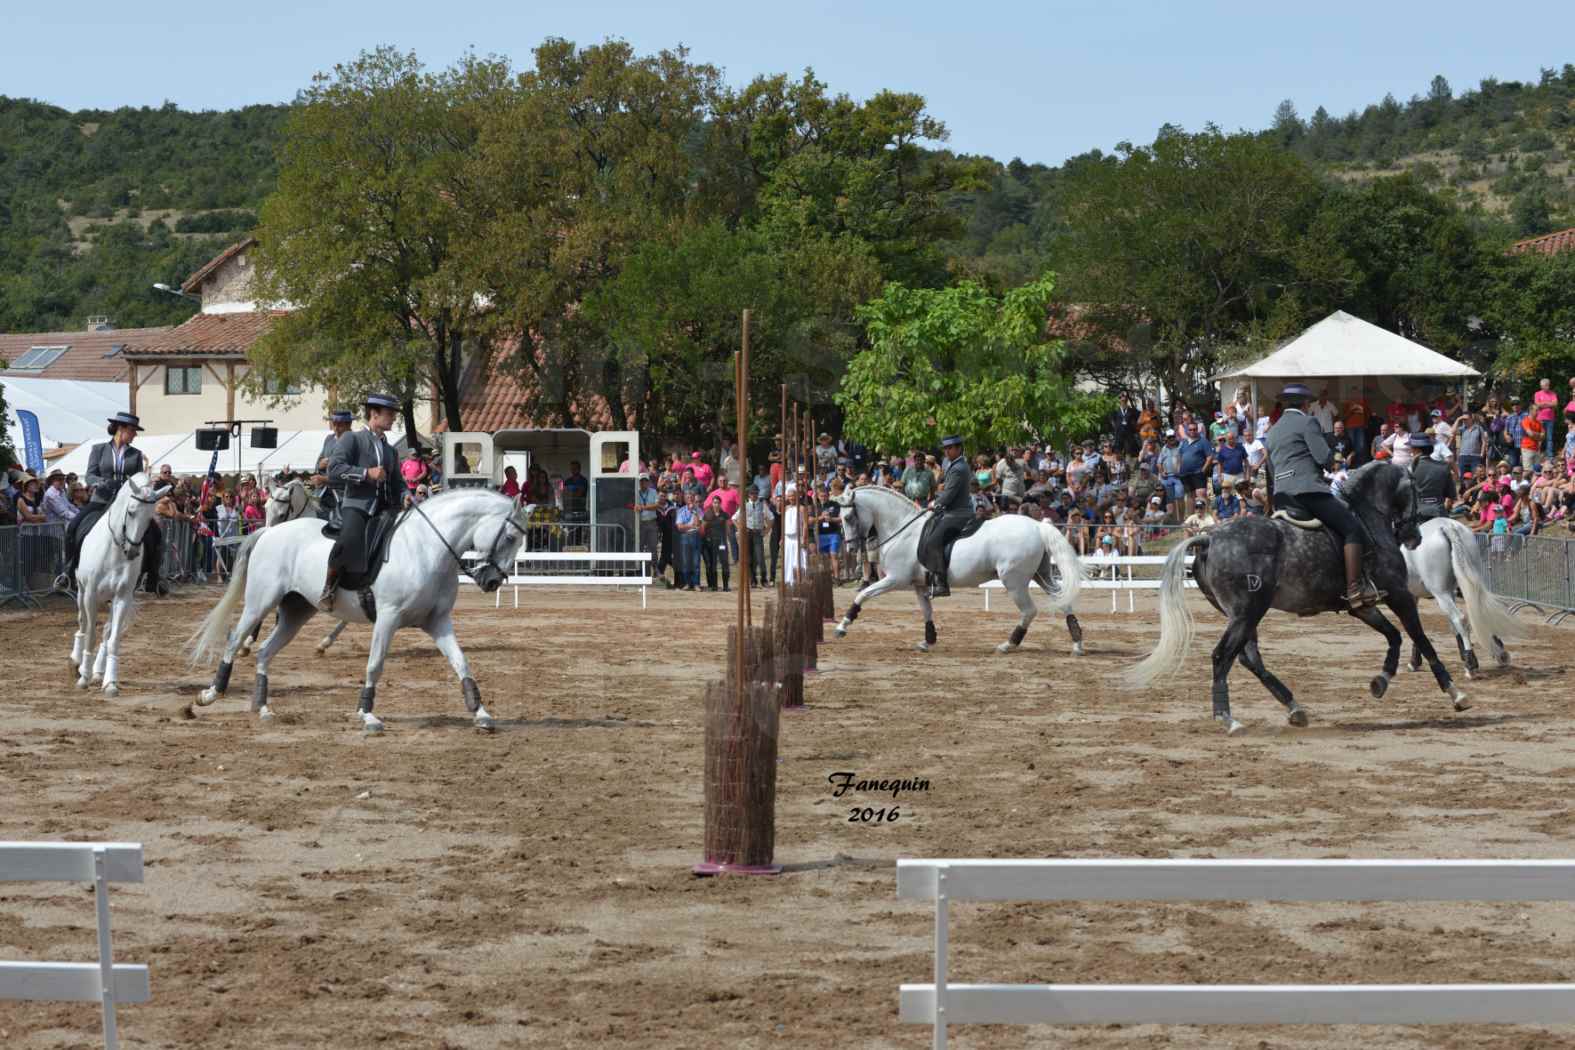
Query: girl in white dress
point(793, 526)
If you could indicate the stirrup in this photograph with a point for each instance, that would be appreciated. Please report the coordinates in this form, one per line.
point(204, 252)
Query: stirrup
point(939, 588)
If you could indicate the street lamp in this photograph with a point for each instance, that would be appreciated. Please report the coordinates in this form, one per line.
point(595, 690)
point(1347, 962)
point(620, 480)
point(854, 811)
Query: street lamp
point(161, 286)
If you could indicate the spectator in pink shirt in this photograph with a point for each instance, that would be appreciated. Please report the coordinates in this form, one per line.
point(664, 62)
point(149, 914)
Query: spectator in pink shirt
point(1546, 404)
point(413, 469)
point(702, 470)
point(511, 484)
point(729, 499)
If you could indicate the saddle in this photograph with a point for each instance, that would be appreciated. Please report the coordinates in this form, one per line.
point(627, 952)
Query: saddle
point(379, 533)
point(1297, 517)
point(927, 549)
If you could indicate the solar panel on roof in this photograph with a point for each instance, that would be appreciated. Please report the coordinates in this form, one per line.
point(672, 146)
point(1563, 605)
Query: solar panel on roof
point(39, 357)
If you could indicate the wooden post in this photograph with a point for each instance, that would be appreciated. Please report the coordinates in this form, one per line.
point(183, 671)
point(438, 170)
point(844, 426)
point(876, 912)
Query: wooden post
point(782, 458)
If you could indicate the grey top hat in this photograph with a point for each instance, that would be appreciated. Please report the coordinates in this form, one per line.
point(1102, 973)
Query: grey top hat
point(126, 419)
point(1296, 390)
point(950, 440)
point(382, 401)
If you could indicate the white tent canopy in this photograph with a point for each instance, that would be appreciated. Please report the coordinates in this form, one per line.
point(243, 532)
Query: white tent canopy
point(1341, 345)
point(69, 411)
point(296, 450)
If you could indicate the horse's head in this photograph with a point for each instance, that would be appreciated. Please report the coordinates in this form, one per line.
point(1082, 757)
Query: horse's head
point(500, 537)
point(1388, 491)
point(855, 526)
point(137, 498)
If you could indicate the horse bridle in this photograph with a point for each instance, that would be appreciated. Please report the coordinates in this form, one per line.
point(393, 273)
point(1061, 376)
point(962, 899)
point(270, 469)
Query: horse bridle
point(492, 551)
point(289, 497)
point(849, 506)
point(131, 550)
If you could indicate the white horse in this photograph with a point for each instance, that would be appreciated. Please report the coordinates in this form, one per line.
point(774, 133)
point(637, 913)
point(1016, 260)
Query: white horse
point(1014, 549)
point(280, 567)
point(1447, 557)
point(288, 502)
point(107, 571)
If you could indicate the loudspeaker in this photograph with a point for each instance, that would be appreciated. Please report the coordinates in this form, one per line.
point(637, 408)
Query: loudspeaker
point(265, 437)
point(210, 439)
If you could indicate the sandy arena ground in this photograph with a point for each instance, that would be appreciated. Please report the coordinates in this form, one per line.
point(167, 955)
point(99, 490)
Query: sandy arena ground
point(532, 889)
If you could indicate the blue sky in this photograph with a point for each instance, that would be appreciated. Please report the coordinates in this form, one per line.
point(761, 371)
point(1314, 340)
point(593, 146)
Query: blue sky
point(1042, 81)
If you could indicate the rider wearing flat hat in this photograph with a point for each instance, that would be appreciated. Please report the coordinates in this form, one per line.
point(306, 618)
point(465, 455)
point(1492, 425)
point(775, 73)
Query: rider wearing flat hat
point(1432, 480)
point(954, 503)
point(110, 463)
point(1298, 454)
point(330, 494)
point(365, 464)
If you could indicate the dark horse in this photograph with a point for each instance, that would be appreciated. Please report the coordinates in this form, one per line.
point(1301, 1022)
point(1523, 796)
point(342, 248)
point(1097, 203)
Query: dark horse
point(1250, 565)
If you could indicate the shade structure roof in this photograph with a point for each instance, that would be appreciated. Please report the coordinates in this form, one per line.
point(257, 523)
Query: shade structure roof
point(1343, 345)
point(295, 450)
point(69, 410)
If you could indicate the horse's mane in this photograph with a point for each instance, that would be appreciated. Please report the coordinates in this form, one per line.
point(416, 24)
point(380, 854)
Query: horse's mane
point(1366, 482)
point(884, 493)
point(457, 497)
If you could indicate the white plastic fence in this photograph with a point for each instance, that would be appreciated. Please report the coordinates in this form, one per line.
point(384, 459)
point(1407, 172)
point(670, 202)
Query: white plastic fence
point(637, 561)
point(105, 981)
point(943, 881)
point(1110, 578)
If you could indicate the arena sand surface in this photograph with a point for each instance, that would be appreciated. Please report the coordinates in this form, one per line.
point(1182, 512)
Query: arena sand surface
point(309, 887)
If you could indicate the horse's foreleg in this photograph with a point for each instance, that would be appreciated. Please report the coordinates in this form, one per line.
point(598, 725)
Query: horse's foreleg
point(293, 614)
point(1075, 629)
point(874, 590)
point(925, 607)
point(1375, 619)
point(1026, 609)
point(86, 617)
point(382, 638)
point(441, 629)
point(121, 610)
point(1405, 607)
point(329, 638)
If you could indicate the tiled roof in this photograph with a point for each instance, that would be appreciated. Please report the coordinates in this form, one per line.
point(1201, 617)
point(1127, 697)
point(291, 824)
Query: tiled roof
point(210, 335)
point(92, 356)
point(493, 399)
point(194, 282)
point(1547, 243)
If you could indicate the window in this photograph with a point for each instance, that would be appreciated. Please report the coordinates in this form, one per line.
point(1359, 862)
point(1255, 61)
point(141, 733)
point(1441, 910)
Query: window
point(38, 358)
point(183, 379)
point(277, 388)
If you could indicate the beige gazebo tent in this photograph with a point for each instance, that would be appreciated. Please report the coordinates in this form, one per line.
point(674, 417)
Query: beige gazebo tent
point(1350, 356)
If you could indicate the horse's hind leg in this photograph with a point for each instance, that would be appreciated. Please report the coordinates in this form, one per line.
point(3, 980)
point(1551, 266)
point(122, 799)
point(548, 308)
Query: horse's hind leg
point(1375, 619)
point(86, 619)
point(441, 629)
point(1024, 600)
point(294, 611)
point(1405, 607)
point(330, 637)
point(1231, 643)
point(930, 635)
point(1252, 660)
point(1462, 628)
point(382, 637)
point(1075, 629)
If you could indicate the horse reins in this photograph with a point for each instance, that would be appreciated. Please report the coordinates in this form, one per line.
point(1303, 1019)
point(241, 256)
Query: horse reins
point(129, 549)
point(492, 551)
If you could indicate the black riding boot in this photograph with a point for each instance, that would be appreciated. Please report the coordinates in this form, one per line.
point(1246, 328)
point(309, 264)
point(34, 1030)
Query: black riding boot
point(938, 585)
point(1359, 590)
point(326, 601)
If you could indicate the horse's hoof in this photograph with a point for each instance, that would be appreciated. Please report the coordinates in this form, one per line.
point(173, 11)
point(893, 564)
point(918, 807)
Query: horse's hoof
point(98, 679)
point(265, 714)
point(371, 724)
point(485, 724)
point(82, 682)
point(1379, 686)
point(1077, 648)
point(1299, 718)
point(1461, 703)
point(1470, 674)
point(321, 649)
point(244, 649)
point(1413, 668)
point(111, 689)
point(1234, 727)
point(1503, 658)
point(840, 632)
point(1005, 647)
point(923, 647)
point(207, 696)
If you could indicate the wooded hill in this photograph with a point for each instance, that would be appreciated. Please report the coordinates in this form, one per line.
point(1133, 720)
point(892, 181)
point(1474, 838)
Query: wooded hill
point(97, 205)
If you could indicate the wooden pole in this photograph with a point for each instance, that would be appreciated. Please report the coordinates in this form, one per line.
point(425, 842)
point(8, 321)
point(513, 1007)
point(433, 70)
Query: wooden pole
point(745, 598)
point(782, 457)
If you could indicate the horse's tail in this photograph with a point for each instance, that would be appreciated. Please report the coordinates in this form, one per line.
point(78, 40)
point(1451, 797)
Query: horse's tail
point(1175, 621)
point(1489, 616)
point(211, 636)
point(1070, 568)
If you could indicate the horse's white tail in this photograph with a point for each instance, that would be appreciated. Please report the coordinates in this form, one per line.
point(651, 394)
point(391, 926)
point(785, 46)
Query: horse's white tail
point(211, 637)
point(1489, 616)
point(1070, 567)
point(1175, 622)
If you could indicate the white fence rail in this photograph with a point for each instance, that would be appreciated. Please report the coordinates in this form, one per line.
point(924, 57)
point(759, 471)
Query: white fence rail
point(943, 881)
point(104, 982)
point(581, 569)
point(1110, 578)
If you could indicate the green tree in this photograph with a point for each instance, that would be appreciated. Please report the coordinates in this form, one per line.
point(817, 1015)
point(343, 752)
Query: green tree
point(7, 453)
point(1529, 312)
point(960, 360)
point(368, 232)
point(1197, 239)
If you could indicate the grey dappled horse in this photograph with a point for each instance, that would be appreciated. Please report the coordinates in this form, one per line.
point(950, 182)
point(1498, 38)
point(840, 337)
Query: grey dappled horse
point(1249, 565)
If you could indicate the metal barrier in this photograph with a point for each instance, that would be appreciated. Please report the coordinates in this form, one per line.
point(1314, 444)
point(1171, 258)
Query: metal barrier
point(1536, 571)
point(554, 537)
point(30, 559)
